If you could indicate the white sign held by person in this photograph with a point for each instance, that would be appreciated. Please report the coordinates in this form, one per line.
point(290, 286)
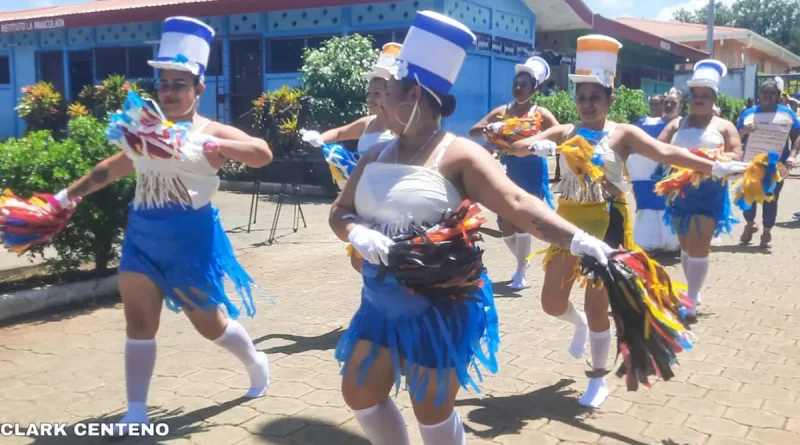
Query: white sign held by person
point(770, 134)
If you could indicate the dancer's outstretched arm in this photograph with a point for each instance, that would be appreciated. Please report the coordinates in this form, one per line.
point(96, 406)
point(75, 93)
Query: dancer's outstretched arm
point(628, 139)
point(348, 132)
point(557, 134)
point(103, 174)
point(235, 144)
point(486, 183)
point(493, 116)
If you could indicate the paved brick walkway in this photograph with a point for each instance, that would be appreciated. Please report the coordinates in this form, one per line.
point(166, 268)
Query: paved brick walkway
point(739, 386)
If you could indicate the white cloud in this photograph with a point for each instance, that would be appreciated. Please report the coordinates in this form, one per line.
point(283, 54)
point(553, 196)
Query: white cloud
point(691, 5)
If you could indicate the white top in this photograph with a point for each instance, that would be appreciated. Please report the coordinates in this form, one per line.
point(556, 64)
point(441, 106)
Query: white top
point(571, 186)
point(190, 181)
point(708, 137)
point(371, 139)
point(391, 196)
point(640, 168)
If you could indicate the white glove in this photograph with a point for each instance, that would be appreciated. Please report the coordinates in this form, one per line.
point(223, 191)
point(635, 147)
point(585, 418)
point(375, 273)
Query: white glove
point(312, 137)
point(584, 244)
point(61, 201)
point(371, 244)
point(495, 127)
point(209, 143)
point(543, 148)
point(723, 169)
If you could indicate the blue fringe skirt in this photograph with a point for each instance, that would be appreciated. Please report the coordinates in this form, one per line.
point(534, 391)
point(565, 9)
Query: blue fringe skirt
point(187, 254)
point(426, 337)
point(531, 174)
point(710, 198)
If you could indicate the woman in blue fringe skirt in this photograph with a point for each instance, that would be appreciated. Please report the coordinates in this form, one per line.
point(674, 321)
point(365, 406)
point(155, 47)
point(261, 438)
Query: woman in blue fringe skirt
point(410, 182)
point(704, 211)
point(175, 249)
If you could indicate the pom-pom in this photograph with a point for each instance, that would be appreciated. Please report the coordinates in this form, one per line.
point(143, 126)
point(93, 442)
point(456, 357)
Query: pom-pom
point(673, 183)
point(581, 159)
point(441, 263)
point(341, 161)
point(513, 130)
point(758, 182)
point(648, 310)
point(27, 222)
point(140, 128)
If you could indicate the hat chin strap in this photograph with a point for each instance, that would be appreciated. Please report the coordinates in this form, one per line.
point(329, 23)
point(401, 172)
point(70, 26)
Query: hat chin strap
point(435, 96)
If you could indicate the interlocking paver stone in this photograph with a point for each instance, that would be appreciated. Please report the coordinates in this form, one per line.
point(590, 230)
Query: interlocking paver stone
point(738, 386)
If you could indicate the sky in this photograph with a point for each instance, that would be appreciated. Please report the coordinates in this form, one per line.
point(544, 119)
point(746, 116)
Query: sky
point(651, 9)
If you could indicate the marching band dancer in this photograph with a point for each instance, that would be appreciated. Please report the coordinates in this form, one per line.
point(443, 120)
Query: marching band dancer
point(701, 213)
point(599, 207)
point(175, 249)
point(411, 182)
point(370, 130)
point(527, 170)
point(648, 231)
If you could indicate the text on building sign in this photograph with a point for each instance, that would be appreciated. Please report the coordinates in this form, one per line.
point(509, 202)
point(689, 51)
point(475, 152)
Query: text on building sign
point(31, 25)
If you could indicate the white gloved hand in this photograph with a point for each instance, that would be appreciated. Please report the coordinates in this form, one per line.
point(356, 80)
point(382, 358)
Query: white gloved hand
point(543, 148)
point(371, 244)
point(584, 244)
point(209, 143)
point(61, 201)
point(312, 137)
point(722, 169)
point(495, 127)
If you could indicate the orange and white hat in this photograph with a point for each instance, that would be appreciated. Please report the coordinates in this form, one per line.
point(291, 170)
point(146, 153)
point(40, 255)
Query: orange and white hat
point(385, 61)
point(596, 60)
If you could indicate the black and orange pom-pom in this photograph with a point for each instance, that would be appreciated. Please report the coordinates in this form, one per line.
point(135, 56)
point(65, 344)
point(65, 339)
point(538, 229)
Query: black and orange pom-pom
point(441, 263)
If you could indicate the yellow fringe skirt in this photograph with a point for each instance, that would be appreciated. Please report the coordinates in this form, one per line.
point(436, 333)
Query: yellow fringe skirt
point(606, 220)
point(352, 251)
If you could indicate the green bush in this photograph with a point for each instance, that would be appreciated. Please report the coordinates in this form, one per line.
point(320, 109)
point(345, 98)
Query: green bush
point(560, 104)
point(333, 76)
point(38, 163)
point(42, 108)
point(276, 115)
point(731, 107)
point(629, 106)
point(110, 95)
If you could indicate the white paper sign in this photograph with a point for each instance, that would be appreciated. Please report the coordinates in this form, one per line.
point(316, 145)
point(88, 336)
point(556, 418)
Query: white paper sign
point(770, 135)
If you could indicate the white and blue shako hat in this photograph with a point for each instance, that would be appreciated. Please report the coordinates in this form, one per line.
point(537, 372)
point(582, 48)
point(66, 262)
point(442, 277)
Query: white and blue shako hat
point(185, 46)
point(708, 73)
point(433, 52)
point(537, 67)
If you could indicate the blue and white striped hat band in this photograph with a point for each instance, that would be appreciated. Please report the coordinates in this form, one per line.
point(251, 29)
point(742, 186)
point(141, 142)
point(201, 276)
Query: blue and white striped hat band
point(185, 46)
point(708, 73)
point(434, 51)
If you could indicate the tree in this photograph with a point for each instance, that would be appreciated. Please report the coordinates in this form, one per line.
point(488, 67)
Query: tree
point(723, 15)
point(774, 19)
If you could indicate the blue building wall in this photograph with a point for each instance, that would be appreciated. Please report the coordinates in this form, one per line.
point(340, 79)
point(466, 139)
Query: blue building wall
point(506, 30)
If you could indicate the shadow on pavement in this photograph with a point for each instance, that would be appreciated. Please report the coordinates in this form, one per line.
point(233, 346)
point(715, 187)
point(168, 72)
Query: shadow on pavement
point(793, 224)
point(181, 424)
point(503, 290)
point(307, 431)
point(507, 415)
point(666, 258)
point(324, 342)
point(740, 248)
point(64, 312)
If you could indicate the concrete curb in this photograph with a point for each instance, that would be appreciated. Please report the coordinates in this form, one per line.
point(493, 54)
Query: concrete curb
point(272, 188)
point(29, 301)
